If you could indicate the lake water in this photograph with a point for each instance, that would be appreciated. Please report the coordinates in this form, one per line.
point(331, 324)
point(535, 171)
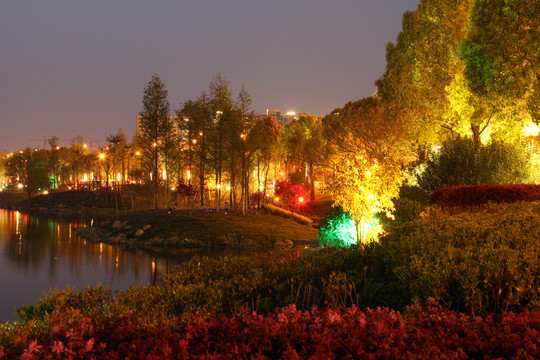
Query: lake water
point(39, 253)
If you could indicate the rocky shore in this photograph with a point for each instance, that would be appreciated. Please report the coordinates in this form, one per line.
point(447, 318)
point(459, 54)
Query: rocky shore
point(160, 228)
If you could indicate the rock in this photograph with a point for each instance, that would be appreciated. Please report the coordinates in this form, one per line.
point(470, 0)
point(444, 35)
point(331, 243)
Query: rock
point(139, 233)
point(289, 243)
point(146, 227)
point(119, 224)
point(280, 244)
point(314, 244)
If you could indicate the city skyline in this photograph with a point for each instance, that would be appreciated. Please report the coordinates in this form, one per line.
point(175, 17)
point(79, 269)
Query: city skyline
point(72, 69)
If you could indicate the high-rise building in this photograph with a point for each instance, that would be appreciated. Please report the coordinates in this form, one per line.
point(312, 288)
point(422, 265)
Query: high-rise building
point(282, 119)
point(177, 131)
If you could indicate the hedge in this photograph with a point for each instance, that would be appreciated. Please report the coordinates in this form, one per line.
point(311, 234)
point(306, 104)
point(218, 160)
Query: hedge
point(474, 195)
point(330, 333)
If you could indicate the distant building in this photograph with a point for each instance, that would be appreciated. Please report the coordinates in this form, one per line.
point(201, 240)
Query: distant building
point(178, 132)
point(281, 119)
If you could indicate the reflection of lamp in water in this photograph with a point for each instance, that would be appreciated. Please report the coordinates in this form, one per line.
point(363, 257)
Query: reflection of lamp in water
point(154, 271)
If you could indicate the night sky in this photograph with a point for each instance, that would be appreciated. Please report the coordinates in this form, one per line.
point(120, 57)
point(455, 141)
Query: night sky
point(75, 67)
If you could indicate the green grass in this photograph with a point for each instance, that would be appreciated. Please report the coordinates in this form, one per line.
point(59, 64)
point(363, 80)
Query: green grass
point(206, 226)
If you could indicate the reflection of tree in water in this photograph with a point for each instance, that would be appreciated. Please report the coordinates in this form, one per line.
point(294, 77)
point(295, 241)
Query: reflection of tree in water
point(47, 246)
point(38, 244)
point(27, 244)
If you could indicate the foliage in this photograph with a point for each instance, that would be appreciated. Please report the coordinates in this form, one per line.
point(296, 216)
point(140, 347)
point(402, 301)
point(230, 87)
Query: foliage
point(477, 263)
point(409, 205)
point(474, 195)
point(31, 168)
point(289, 193)
point(303, 142)
point(465, 66)
point(155, 129)
point(337, 229)
point(422, 64)
point(501, 54)
point(464, 162)
point(369, 144)
point(427, 333)
point(183, 189)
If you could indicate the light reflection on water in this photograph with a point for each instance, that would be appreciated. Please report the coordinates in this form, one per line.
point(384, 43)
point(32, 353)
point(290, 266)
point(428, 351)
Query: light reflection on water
point(39, 253)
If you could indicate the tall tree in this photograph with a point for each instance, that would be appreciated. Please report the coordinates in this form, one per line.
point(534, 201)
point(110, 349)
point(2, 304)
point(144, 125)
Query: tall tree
point(197, 120)
point(223, 108)
point(422, 64)
point(154, 127)
point(117, 148)
point(54, 160)
point(502, 56)
point(247, 115)
point(263, 140)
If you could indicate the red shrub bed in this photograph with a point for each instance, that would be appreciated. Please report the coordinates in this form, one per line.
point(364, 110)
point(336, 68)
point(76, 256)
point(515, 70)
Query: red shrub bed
point(286, 333)
point(474, 195)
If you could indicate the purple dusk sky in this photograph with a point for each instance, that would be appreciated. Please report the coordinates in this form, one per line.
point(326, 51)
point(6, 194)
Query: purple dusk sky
point(70, 67)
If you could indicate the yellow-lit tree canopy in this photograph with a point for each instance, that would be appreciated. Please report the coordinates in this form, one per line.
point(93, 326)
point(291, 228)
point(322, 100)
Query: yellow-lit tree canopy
point(466, 67)
point(368, 146)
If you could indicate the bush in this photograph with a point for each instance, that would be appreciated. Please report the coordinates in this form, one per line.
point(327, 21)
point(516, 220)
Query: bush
point(479, 264)
point(289, 193)
point(462, 162)
point(330, 333)
point(476, 263)
point(474, 195)
point(337, 229)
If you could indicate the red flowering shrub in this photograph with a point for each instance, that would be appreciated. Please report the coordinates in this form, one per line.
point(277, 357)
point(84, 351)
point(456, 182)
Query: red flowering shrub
point(328, 333)
point(289, 193)
point(474, 195)
point(184, 189)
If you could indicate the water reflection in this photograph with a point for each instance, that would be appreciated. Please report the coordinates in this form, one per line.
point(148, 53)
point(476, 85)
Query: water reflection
point(39, 253)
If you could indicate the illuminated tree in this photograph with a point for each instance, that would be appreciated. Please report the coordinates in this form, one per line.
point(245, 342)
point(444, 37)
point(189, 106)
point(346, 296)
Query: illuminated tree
point(247, 115)
point(422, 64)
point(303, 143)
point(501, 53)
point(197, 116)
point(263, 142)
point(31, 168)
point(466, 67)
point(117, 148)
point(154, 127)
point(368, 146)
point(54, 160)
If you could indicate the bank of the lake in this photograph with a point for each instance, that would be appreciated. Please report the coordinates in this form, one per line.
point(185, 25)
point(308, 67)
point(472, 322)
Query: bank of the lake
point(200, 228)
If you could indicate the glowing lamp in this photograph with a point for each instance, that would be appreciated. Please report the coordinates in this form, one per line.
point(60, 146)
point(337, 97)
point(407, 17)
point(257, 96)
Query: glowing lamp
point(301, 199)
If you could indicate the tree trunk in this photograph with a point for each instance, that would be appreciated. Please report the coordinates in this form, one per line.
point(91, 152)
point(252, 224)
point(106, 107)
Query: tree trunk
point(311, 181)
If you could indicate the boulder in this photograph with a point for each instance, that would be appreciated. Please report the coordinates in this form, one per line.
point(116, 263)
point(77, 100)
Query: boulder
point(280, 244)
point(146, 227)
point(139, 233)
